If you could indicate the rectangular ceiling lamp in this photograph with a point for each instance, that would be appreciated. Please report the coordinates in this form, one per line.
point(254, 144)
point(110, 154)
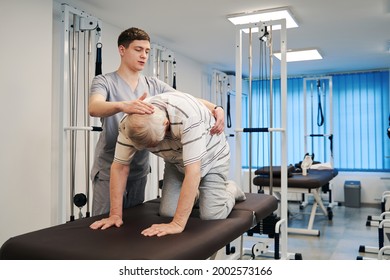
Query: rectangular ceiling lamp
point(301, 55)
point(265, 15)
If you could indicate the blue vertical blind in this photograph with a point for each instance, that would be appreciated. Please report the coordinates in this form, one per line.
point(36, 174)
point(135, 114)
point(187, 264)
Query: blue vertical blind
point(360, 119)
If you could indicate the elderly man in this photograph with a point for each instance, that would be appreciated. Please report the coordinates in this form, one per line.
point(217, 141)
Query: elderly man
point(196, 162)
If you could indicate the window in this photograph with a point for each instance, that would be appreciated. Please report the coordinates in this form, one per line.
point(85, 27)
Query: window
point(360, 120)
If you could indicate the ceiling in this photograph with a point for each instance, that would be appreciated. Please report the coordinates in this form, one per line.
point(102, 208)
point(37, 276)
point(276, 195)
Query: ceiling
point(352, 35)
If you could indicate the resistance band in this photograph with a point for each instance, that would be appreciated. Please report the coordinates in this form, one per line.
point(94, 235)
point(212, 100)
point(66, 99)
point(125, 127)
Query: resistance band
point(174, 81)
point(331, 144)
point(388, 130)
point(174, 74)
point(98, 65)
point(320, 114)
point(229, 120)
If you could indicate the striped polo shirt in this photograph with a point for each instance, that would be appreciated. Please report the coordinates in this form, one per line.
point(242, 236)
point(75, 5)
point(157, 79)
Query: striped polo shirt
point(188, 140)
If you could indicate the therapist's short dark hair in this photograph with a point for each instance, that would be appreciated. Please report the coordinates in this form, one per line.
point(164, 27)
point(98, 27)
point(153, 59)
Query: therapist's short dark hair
point(131, 34)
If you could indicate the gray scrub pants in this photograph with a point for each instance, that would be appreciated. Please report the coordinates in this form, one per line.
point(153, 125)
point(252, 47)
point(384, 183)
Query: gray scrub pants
point(134, 194)
point(214, 201)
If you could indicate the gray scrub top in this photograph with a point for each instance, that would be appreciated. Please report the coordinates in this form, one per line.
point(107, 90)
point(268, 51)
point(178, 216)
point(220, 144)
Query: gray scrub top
point(114, 88)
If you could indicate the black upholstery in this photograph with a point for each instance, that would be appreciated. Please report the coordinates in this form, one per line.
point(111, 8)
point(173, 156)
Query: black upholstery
point(314, 179)
point(75, 240)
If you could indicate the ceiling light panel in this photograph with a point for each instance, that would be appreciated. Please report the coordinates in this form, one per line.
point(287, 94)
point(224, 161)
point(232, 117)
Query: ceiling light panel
point(265, 16)
point(301, 55)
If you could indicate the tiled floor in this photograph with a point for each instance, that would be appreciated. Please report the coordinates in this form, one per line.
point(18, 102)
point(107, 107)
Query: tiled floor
point(340, 237)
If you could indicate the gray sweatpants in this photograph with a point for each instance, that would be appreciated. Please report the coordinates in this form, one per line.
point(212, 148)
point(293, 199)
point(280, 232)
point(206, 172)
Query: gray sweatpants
point(214, 201)
point(134, 194)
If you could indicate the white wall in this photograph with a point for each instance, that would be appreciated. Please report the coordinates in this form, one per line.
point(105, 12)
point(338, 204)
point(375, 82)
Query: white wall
point(25, 149)
point(189, 77)
point(373, 184)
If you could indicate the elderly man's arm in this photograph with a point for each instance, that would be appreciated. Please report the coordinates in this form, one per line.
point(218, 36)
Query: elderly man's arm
point(184, 207)
point(218, 114)
point(118, 178)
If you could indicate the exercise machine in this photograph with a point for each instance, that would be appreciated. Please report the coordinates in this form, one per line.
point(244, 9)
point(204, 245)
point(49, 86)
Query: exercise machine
point(162, 65)
point(80, 32)
point(264, 29)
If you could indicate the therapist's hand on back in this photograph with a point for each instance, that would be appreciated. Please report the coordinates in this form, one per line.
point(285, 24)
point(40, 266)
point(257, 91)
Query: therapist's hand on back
point(113, 220)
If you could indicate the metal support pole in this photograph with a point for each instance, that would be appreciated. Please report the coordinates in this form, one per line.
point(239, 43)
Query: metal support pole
point(250, 108)
point(283, 146)
point(271, 113)
point(73, 114)
point(238, 60)
point(87, 141)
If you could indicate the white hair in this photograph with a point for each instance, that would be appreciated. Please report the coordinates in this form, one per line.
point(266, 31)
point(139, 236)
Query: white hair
point(146, 130)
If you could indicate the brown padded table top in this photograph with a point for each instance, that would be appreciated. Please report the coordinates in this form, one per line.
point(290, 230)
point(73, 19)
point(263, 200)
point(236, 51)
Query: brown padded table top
point(314, 179)
point(75, 240)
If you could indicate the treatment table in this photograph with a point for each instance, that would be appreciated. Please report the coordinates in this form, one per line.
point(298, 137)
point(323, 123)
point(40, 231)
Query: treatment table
point(201, 239)
point(312, 183)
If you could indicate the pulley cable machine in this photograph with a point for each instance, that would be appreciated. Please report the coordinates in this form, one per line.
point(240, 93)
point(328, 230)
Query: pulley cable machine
point(321, 93)
point(76, 64)
point(324, 124)
point(281, 226)
point(163, 64)
point(223, 94)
